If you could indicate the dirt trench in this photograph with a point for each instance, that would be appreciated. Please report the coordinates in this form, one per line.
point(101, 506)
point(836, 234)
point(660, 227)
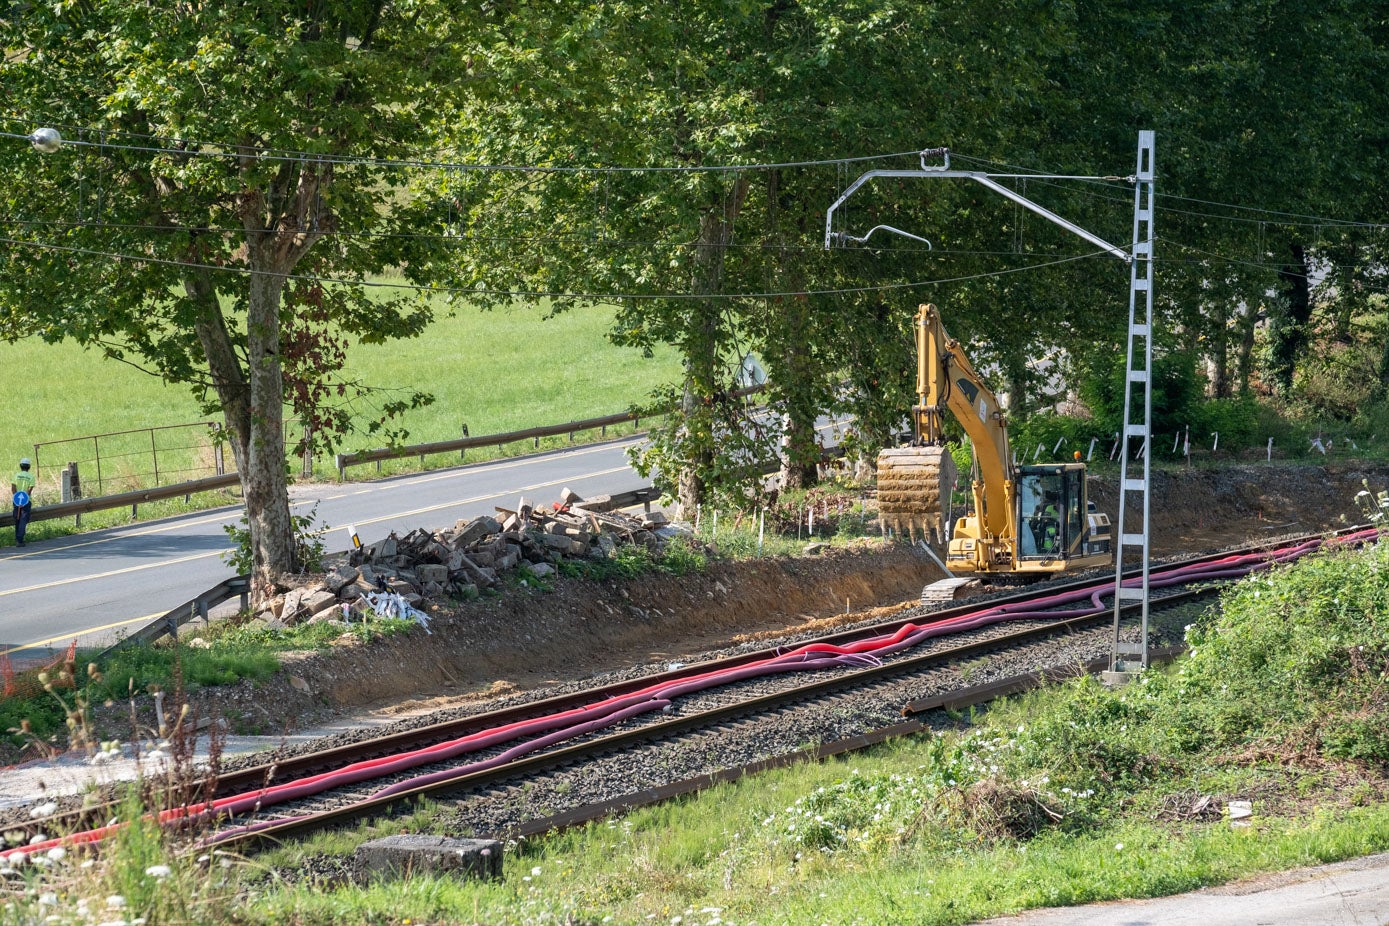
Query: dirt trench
point(529, 638)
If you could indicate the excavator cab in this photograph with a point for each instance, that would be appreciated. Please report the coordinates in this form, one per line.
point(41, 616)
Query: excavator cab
point(1055, 520)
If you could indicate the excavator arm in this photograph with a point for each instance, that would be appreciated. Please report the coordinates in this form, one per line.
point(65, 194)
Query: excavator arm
point(945, 379)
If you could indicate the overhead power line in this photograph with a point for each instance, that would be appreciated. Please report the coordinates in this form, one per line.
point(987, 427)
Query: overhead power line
point(550, 294)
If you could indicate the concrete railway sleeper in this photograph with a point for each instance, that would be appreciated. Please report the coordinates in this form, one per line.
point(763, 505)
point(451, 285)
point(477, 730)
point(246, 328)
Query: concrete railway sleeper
point(516, 747)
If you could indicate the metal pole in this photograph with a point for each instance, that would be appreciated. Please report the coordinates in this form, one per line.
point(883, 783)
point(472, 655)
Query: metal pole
point(1138, 373)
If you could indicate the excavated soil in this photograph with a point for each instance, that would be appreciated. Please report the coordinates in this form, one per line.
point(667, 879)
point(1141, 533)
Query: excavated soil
point(528, 639)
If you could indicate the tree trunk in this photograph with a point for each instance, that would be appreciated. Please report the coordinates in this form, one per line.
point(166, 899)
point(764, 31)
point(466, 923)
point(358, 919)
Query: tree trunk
point(263, 477)
point(1244, 366)
point(1218, 358)
point(702, 347)
point(1289, 335)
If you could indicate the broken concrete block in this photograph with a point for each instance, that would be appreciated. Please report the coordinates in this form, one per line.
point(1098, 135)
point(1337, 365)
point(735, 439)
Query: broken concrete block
point(568, 497)
point(541, 570)
point(555, 542)
point(472, 572)
point(429, 572)
point(292, 606)
point(598, 503)
point(476, 529)
point(410, 854)
point(339, 578)
point(316, 602)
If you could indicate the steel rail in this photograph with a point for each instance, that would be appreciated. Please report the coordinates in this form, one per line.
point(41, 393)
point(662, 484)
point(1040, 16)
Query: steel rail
point(583, 751)
point(292, 768)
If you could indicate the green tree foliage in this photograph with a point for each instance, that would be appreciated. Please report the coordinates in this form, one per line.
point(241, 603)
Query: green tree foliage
point(236, 156)
point(728, 82)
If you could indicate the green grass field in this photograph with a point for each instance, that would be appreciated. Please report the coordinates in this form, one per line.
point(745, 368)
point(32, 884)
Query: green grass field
point(495, 371)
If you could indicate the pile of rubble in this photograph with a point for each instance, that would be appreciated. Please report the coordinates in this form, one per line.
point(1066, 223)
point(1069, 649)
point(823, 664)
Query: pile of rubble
point(471, 556)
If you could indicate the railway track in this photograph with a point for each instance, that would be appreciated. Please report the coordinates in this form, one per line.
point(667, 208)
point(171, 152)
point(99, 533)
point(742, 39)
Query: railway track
point(617, 732)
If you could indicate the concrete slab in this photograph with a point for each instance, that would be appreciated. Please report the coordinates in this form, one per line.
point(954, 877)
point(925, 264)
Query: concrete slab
point(407, 854)
point(1351, 893)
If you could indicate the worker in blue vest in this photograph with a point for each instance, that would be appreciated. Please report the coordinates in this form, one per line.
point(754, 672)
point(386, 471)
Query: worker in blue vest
point(21, 493)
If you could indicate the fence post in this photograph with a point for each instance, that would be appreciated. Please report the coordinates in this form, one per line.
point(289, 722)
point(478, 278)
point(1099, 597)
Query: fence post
point(306, 469)
point(154, 452)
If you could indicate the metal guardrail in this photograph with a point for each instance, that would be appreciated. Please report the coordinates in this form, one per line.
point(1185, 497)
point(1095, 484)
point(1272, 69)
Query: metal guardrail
point(344, 460)
point(168, 624)
point(210, 483)
point(240, 586)
point(133, 499)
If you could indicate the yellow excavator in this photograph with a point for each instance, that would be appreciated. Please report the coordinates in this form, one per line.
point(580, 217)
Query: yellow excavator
point(1028, 522)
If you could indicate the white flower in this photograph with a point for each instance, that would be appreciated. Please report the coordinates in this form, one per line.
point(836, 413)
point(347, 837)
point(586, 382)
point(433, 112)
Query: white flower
point(535, 872)
point(56, 853)
point(18, 859)
point(158, 871)
point(115, 902)
point(49, 899)
point(1118, 847)
point(43, 810)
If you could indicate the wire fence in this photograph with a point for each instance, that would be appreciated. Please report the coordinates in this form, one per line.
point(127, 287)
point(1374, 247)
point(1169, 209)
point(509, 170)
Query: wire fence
point(140, 458)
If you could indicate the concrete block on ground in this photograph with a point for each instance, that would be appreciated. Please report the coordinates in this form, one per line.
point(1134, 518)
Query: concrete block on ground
point(568, 497)
point(555, 542)
point(429, 572)
point(476, 529)
point(472, 572)
point(541, 570)
point(316, 602)
point(406, 855)
point(339, 579)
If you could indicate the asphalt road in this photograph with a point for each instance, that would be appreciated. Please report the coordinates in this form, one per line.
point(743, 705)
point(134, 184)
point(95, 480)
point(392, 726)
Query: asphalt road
point(98, 585)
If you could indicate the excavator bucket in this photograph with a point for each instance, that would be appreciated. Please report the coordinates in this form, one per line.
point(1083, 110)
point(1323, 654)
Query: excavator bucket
point(914, 485)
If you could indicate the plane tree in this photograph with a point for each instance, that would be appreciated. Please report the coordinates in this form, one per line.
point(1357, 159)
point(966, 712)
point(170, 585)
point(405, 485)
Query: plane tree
point(226, 165)
point(720, 262)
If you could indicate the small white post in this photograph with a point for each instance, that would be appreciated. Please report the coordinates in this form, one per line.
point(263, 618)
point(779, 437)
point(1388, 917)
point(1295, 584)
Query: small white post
point(1176, 441)
point(1270, 450)
point(810, 522)
point(699, 509)
point(1059, 442)
point(761, 529)
point(1115, 449)
point(1216, 443)
point(1036, 453)
point(1089, 454)
point(716, 524)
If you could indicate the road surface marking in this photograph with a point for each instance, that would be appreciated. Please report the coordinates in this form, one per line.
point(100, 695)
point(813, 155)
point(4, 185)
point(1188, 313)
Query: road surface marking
point(64, 638)
point(113, 572)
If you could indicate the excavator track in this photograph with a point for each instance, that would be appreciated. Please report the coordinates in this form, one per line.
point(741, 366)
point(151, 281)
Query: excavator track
point(914, 485)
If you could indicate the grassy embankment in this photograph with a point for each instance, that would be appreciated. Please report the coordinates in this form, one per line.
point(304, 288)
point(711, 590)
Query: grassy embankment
point(495, 371)
point(1066, 796)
